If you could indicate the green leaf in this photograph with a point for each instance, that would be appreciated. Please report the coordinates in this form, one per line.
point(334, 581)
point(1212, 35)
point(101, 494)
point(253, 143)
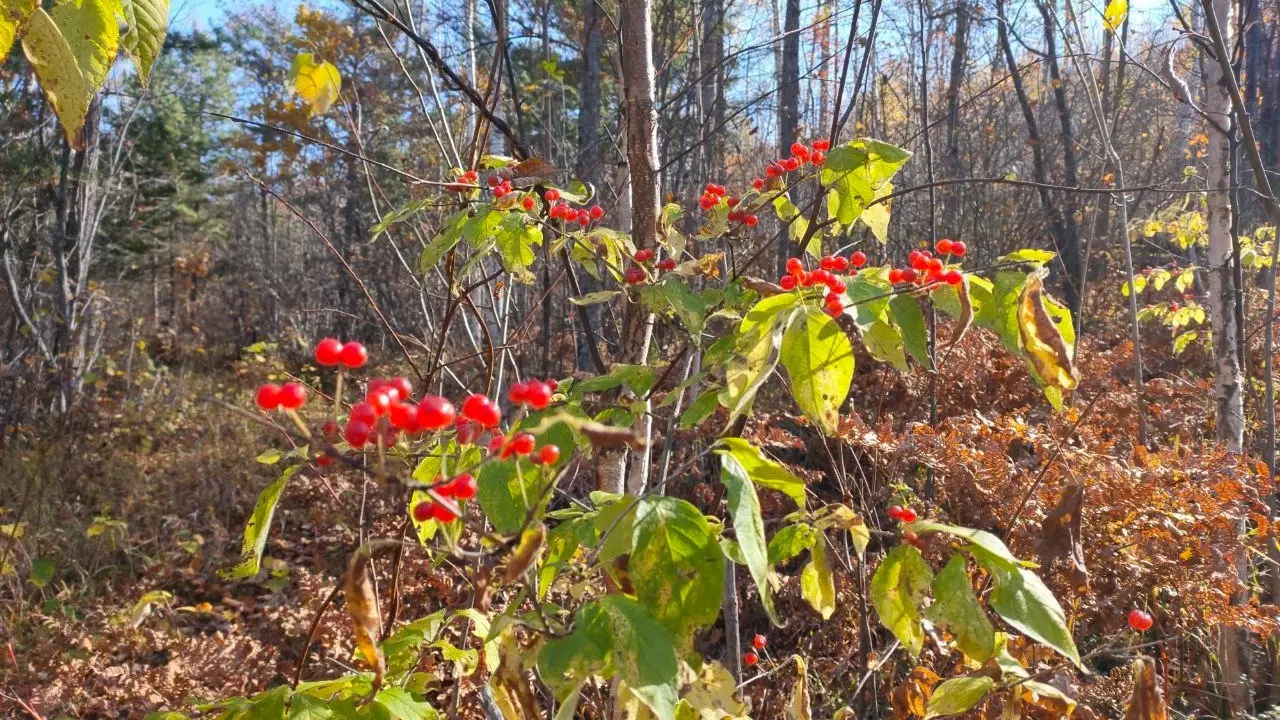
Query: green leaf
point(1004, 316)
point(755, 351)
point(13, 13)
point(316, 81)
point(565, 663)
point(701, 408)
point(257, 529)
point(515, 241)
point(305, 707)
point(676, 566)
point(148, 22)
point(958, 695)
point(816, 583)
point(1029, 256)
point(884, 343)
point(562, 545)
point(1021, 599)
point(639, 379)
point(673, 296)
point(42, 570)
point(956, 608)
point(506, 490)
point(763, 471)
point(876, 215)
point(55, 66)
point(643, 654)
point(402, 705)
point(818, 358)
point(983, 544)
point(748, 525)
point(269, 705)
point(1183, 341)
point(836, 515)
point(909, 319)
point(440, 245)
point(790, 541)
point(270, 456)
point(401, 649)
point(897, 590)
point(595, 298)
point(869, 292)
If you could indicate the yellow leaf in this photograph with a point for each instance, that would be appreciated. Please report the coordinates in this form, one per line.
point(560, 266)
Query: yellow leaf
point(1113, 17)
point(799, 708)
point(93, 34)
point(316, 82)
point(60, 78)
point(362, 607)
point(1047, 350)
point(12, 14)
point(148, 22)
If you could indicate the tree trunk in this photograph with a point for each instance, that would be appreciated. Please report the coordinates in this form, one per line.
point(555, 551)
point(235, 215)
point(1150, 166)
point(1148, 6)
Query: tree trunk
point(636, 17)
point(788, 100)
point(587, 166)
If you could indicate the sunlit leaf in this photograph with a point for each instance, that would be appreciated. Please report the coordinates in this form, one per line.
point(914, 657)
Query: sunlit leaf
point(819, 361)
point(54, 63)
point(257, 529)
point(1114, 15)
point(897, 590)
point(148, 22)
point(958, 695)
point(13, 13)
point(748, 525)
point(316, 81)
point(817, 585)
point(956, 608)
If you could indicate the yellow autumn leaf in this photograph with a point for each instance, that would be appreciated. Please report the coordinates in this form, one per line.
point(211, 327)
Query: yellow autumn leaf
point(93, 34)
point(13, 13)
point(1113, 17)
point(1047, 350)
point(317, 82)
point(54, 64)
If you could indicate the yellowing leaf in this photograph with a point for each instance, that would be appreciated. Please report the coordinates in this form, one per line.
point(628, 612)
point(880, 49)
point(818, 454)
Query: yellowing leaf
point(799, 708)
point(1113, 17)
point(317, 82)
point(362, 606)
point(148, 22)
point(55, 66)
point(12, 14)
point(1047, 350)
point(93, 34)
point(816, 583)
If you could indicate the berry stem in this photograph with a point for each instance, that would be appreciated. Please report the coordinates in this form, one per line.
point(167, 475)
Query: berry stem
point(337, 395)
point(297, 421)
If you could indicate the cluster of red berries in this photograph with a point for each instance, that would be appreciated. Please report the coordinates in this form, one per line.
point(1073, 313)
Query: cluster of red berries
point(289, 396)
point(388, 400)
point(535, 394)
point(635, 274)
point(564, 211)
point(462, 487)
point(758, 642)
point(800, 155)
point(1140, 621)
point(797, 276)
point(464, 182)
point(523, 444)
point(501, 186)
point(903, 514)
point(331, 352)
point(924, 268)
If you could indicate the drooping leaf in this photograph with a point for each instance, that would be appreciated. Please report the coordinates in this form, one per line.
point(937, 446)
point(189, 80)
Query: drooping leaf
point(712, 694)
point(1060, 537)
point(956, 608)
point(876, 215)
point(402, 705)
point(55, 66)
point(1147, 700)
point(93, 34)
point(909, 319)
point(799, 707)
point(318, 82)
point(676, 566)
point(897, 590)
point(869, 292)
point(755, 351)
point(839, 516)
point(748, 525)
point(790, 541)
point(257, 529)
point(148, 22)
point(362, 608)
point(1115, 13)
point(958, 695)
point(819, 361)
point(1021, 599)
point(643, 654)
point(763, 471)
point(1046, 348)
point(817, 585)
point(506, 490)
point(884, 343)
point(403, 647)
point(42, 570)
point(982, 543)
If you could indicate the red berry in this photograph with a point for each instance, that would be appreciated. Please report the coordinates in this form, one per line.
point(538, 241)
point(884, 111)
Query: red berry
point(423, 511)
point(817, 158)
point(330, 429)
point(354, 355)
point(292, 396)
point(364, 412)
point(548, 454)
point(538, 394)
point(911, 537)
point(895, 276)
point(551, 383)
point(840, 263)
point(495, 444)
point(1139, 620)
point(837, 287)
point(667, 264)
point(710, 189)
point(772, 171)
point(481, 410)
point(909, 275)
point(794, 265)
point(494, 181)
point(822, 145)
point(944, 246)
point(759, 641)
point(958, 248)
point(522, 444)
point(822, 276)
point(827, 262)
point(787, 282)
point(895, 512)
point(462, 487)
point(634, 275)
point(953, 277)
point(551, 195)
point(799, 150)
point(500, 191)
point(329, 352)
point(597, 212)
point(268, 397)
point(516, 393)
point(584, 218)
point(858, 259)
point(467, 432)
point(404, 416)
point(357, 433)
point(791, 164)
point(758, 184)
point(434, 413)
point(935, 264)
point(442, 514)
point(380, 400)
point(908, 515)
point(402, 386)
point(644, 255)
point(528, 202)
point(751, 658)
point(752, 220)
point(323, 460)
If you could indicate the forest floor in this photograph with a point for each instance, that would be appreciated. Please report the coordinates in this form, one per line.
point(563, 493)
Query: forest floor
point(139, 509)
